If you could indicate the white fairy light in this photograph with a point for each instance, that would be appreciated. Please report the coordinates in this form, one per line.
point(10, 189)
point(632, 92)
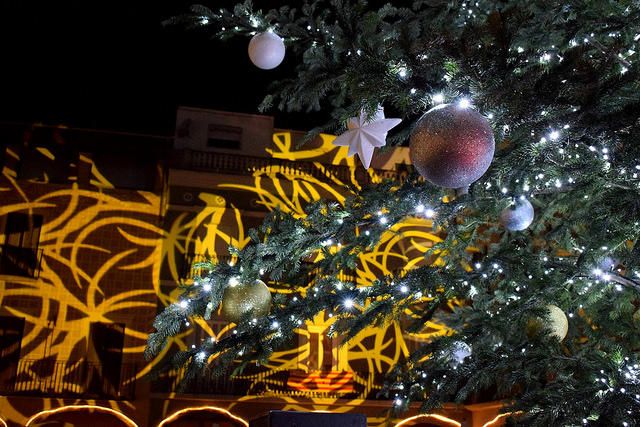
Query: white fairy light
point(206, 287)
point(554, 135)
point(438, 98)
point(464, 103)
point(347, 303)
point(183, 304)
point(327, 242)
point(430, 213)
point(420, 208)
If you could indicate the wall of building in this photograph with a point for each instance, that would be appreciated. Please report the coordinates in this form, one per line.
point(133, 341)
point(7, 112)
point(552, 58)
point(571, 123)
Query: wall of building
point(115, 255)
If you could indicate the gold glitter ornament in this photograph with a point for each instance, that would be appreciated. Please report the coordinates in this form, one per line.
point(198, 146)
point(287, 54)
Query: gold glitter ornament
point(245, 300)
point(452, 146)
point(558, 322)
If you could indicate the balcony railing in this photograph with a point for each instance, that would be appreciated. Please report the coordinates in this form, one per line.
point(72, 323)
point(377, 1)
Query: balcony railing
point(19, 261)
point(364, 385)
point(64, 378)
point(189, 262)
point(248, 165)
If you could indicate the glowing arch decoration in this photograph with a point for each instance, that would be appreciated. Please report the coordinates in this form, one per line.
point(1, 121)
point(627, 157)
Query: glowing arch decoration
point(499, 420)
point(42, 416)
point(439, 420)
point(203, 409)
point(2, 423)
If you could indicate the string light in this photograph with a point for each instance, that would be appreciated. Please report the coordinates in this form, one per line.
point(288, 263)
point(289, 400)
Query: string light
point(464, 103)
point(438, 98)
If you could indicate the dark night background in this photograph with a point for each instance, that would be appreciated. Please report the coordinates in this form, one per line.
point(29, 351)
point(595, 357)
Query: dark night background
point(112, 65)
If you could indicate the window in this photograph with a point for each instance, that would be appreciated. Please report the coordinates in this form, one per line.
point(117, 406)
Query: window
point(20, 256)
point(11, 330)
point(104, 357)
point(47, 157)
point(127, 169)
point(223, 136)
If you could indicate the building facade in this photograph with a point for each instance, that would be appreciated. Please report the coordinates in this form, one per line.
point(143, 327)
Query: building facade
point(97, 229)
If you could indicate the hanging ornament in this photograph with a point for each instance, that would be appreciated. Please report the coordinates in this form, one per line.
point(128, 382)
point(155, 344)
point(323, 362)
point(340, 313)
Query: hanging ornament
point(452, 146)
point(518, 216)
point(266, 50)
point(459, 351)
point(245, 300)
point(365, 133)
point(636, 318)
point(557, 322)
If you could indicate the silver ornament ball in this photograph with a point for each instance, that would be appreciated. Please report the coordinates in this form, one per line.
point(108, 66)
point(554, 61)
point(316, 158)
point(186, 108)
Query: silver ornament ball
point(517, 217)
point(460, 350)
point(266, 50)
point(452, 146)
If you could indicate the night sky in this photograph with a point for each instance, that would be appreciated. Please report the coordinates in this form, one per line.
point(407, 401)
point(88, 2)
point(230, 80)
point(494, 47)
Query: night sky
point(112, 65)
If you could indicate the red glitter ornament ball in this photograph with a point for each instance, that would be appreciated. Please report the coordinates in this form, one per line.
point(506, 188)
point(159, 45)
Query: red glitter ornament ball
point(452, 146)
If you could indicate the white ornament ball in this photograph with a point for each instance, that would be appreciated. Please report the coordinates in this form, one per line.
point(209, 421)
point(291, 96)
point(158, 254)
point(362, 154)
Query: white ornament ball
point(266, 50)
point(558, 322)
point(518, 216)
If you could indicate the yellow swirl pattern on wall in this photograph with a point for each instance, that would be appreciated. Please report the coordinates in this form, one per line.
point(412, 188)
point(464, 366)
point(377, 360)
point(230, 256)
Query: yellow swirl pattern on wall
point(104, 251)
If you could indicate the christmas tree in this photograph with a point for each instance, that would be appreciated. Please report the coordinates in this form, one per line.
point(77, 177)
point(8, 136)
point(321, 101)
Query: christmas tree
point(548, 315)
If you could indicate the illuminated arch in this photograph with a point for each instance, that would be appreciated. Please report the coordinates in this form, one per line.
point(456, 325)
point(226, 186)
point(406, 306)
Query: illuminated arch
point(436, 419)
point(205, 409)
point(2, 423)
point(498, 420)
point(41, 416)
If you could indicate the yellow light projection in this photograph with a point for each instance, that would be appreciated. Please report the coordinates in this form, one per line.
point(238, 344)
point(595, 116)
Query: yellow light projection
point(104, 251)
